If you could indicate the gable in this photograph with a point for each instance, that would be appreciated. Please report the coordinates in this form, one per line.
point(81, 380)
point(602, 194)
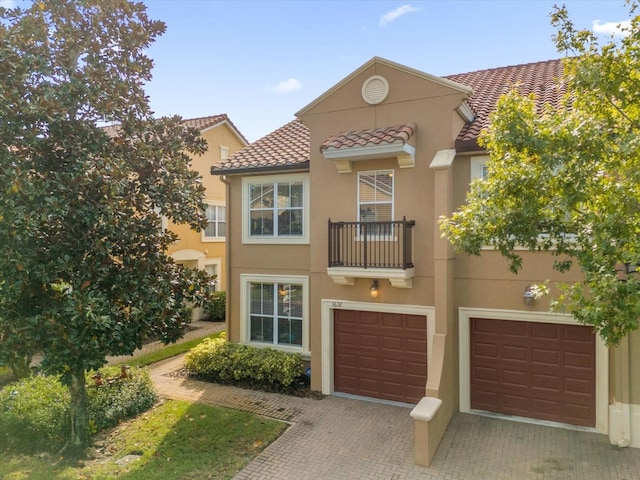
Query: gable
point(404, 84)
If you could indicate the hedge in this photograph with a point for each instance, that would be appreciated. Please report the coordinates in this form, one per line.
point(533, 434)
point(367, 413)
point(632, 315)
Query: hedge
point(226, 362)
point(34, 412)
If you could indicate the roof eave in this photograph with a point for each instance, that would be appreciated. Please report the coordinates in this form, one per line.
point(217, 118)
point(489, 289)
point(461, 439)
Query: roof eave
point(302, 166)
point(468, 146)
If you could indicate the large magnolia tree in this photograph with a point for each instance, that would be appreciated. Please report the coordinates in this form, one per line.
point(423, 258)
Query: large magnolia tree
point(567, 180)
point(83, 269)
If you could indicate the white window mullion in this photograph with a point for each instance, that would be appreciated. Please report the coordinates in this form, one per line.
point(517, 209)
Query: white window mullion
point(276, 334)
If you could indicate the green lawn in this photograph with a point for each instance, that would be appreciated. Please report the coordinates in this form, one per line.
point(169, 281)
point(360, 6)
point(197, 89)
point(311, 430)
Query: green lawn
point(167, 352)
point(176, 440)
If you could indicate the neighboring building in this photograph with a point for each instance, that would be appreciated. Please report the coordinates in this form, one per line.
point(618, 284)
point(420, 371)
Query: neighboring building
point(206, 249)
point(335, 252)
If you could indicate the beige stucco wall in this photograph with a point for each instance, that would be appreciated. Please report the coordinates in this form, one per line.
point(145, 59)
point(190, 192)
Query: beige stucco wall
point(189, 239)
point(431, 107)
point(266, 259)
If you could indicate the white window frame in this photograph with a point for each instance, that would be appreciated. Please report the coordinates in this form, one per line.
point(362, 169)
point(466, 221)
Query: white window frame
point(245, 309)
point(224, 152)
point(378, 236)
point(206, 238)
point(370, 172)
point(218, 263)
point(246, 210)
point(479, 167)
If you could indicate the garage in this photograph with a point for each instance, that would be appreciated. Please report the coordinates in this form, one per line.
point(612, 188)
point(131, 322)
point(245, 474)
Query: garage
point(380, 355)
point(538, 370)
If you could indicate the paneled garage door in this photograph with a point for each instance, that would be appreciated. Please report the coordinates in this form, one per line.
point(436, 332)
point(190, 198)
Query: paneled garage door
point(538, 370)
point(380, 355)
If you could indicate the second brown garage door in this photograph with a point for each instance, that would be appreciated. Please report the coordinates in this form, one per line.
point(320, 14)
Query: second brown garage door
point(380, 355)
point(538, 370)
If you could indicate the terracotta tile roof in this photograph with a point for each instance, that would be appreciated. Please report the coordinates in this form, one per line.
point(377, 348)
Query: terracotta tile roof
point(201, 123)
point(374, 136)
point(289, 145)
point(285, 147)
point(488, 85)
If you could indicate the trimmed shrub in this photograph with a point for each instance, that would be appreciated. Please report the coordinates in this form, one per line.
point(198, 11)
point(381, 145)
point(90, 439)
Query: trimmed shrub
point(112, 403)
point(34, 412)
point(215, 307)
point(225, 362)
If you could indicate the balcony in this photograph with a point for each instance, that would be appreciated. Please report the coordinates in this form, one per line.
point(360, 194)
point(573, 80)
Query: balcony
point(371, 250)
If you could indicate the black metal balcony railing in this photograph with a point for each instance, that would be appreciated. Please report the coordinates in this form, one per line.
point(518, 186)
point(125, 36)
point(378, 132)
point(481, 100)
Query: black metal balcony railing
point(371, 244)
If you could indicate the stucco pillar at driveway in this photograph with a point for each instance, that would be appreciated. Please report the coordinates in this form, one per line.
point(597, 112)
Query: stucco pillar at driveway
point(440, 382)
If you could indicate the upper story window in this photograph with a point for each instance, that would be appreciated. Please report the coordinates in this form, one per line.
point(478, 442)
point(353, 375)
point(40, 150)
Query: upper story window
point(276, 209)
point(479, 167)
point(375, 196)
point(217, 222)
point(224, 153)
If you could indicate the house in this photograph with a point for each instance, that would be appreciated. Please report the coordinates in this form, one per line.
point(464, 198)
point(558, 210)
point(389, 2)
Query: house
point(335, 252)
point(206, 249)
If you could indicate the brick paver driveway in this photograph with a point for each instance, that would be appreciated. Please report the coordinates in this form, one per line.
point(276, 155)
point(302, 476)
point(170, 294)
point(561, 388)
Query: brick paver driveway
point(342, 438)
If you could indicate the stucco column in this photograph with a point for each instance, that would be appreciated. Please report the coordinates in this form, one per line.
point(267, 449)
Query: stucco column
point(432, 414)
point(442, 369)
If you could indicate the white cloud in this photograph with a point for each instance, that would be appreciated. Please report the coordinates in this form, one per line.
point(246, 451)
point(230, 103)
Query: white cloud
point(612, 28)
point(395, 14)
point(287, 86)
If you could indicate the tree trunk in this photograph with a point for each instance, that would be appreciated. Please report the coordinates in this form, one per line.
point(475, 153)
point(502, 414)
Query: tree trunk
point(21, 367)
point(79, 413)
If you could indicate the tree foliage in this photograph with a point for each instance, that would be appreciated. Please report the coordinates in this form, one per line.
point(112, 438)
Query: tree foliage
point(567, 179)
point(84, 273)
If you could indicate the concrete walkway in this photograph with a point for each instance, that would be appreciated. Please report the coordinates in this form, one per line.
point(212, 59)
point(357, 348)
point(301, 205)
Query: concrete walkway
point(342, 438)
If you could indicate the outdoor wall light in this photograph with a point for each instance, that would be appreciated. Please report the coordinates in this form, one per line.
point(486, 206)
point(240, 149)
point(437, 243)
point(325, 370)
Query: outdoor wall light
point(373, 289)
point(529, 296)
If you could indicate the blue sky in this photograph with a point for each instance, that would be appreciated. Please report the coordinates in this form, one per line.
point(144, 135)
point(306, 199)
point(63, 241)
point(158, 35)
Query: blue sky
point(261, 61)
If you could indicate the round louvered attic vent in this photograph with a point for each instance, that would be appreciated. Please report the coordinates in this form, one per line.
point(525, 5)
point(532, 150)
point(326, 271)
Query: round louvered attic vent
point(375, 89)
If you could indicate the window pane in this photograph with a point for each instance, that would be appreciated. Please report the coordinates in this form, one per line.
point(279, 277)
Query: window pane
point(366, 186)
point(262, 222)
point(384, 187)
point(296, 195)
point(211, 212)
point(261, 196)
point(296, 222)
point(284, 296)
point(222, 213)
point(289, 331)
point(283, 195)
point(382, 213)
point(261, 299)
point(290, 222)
point(222, 229)
point(295, 301)
point(210, 230)
point(261, 329)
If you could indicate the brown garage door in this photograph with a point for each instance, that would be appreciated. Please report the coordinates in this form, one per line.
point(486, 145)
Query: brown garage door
point(380, 355)
point(538, 370)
